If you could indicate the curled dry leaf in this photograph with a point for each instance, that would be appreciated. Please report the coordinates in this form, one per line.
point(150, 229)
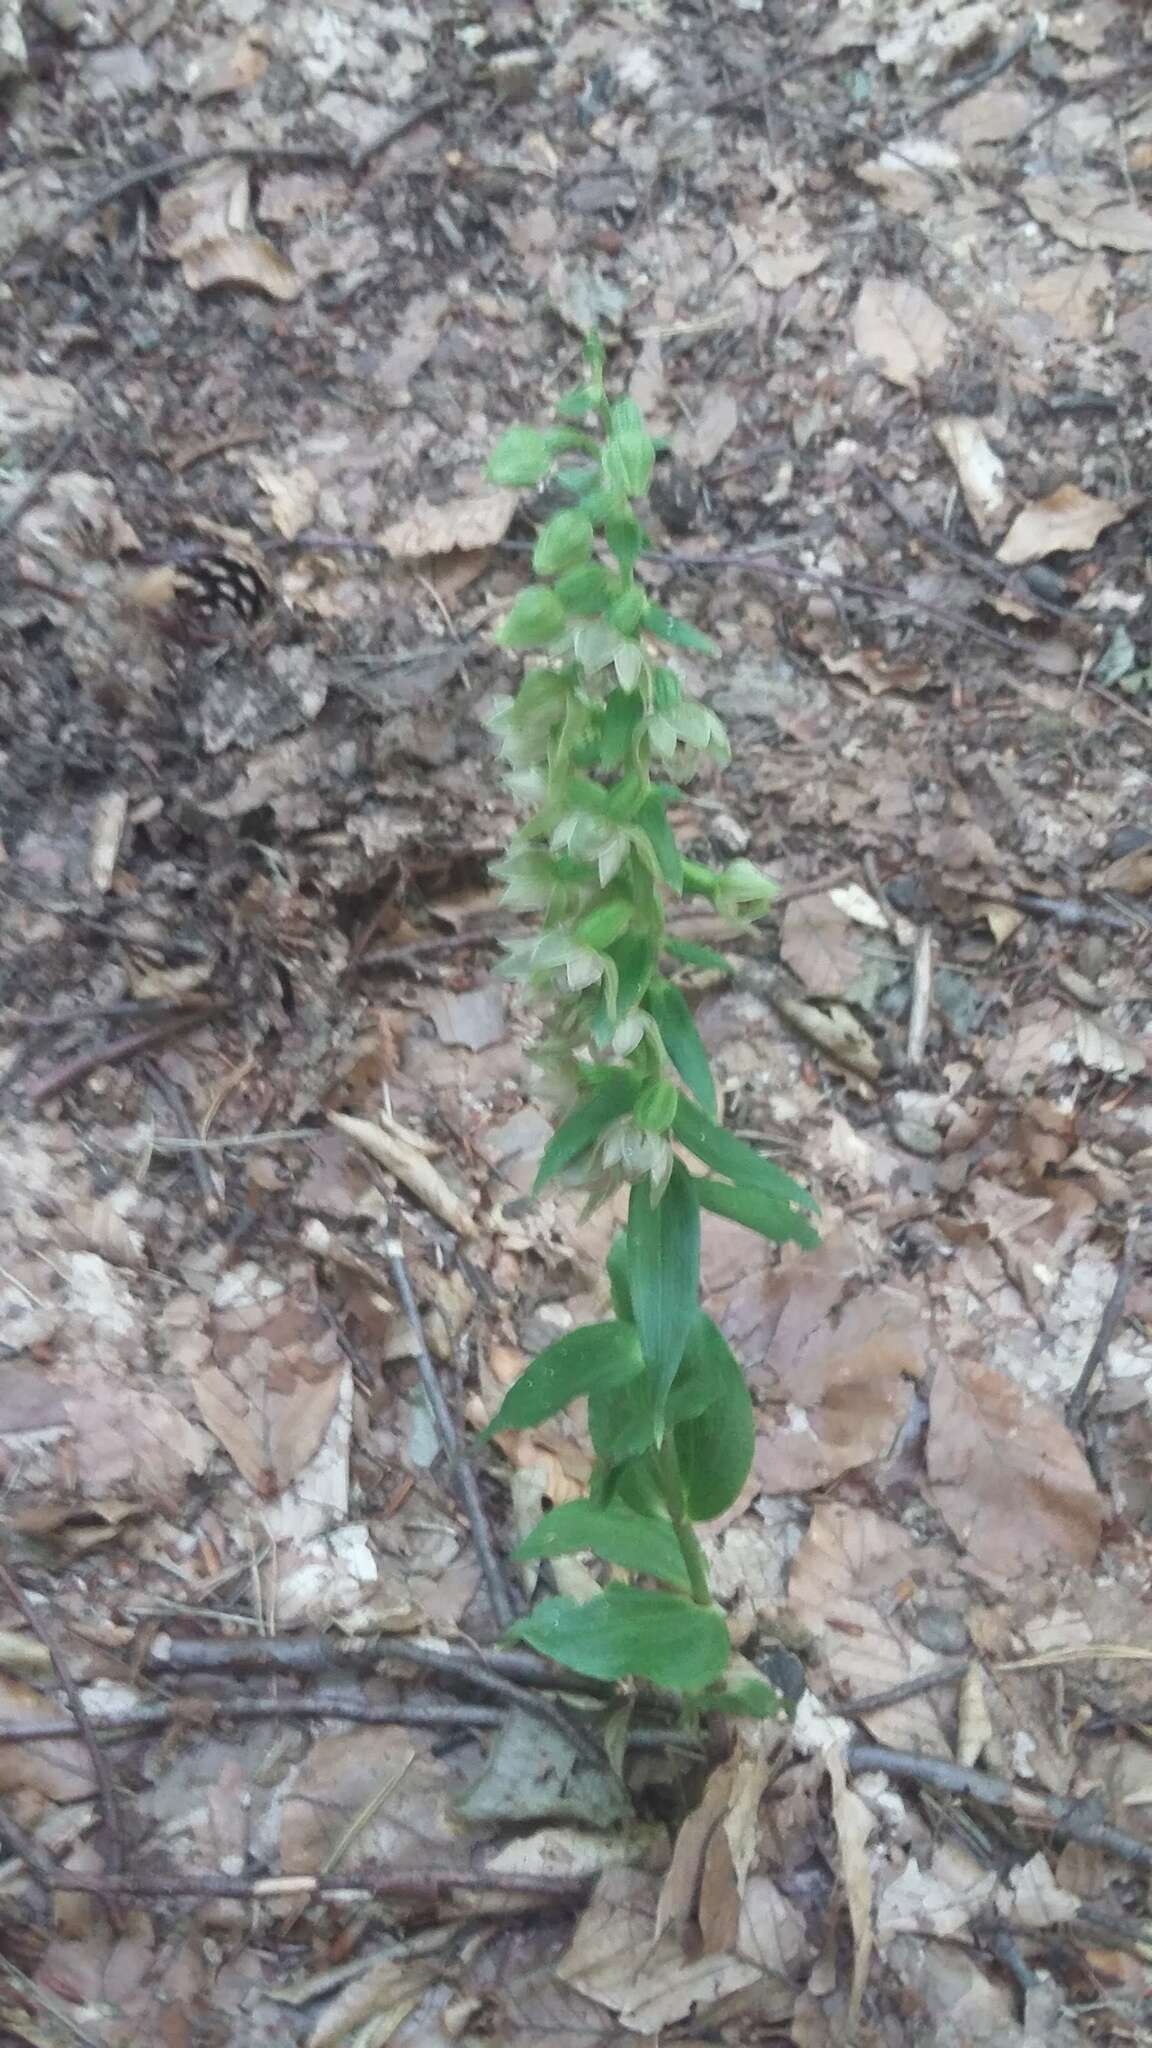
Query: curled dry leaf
point(615, 1959)
point(1089, 214)
point(251, 261)
point(465, 523)
point(1068, 520)
point(417, 1173)
point(854, 1824)
point(1008, 1477)
point(901, 330)
point(714, 1853)
point(981, 472)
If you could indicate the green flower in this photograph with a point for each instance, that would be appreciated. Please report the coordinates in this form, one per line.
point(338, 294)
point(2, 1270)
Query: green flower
point(741, 891)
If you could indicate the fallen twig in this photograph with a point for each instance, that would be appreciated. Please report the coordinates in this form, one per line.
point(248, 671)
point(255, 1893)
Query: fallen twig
point(1109, 1322)
point(907, 1689)
point(124, 1724)
point(372, 1883)
point(101, 1772)
point(1067, 1817)
point(920, 1008)
point(172, 1098)
point(85, 1063)
point(504, 1607)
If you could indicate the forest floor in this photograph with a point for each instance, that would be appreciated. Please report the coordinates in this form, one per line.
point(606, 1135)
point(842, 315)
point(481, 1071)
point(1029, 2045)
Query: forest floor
point(273, 278)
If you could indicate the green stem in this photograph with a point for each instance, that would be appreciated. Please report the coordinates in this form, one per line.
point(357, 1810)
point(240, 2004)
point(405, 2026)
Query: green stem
point(668, 1472)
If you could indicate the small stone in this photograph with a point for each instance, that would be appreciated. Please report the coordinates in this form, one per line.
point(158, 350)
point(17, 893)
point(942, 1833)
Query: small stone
point(941, 1629)
point(917, 1137)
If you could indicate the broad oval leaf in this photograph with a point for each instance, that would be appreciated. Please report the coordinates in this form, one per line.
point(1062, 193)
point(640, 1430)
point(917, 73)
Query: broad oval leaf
point(777, 1220)
point(586, 1361)
point(665, 1003)
point(714, 1448)
point(521, 457)
point(638, 1543)
point(664, 1273)
point(628, 1632)
point(622, 1420)
point(614, 1097)
point(718, 1149)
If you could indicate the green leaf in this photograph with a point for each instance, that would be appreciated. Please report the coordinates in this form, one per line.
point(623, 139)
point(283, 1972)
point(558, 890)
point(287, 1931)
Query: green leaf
point(617, 1268)
point(628, 1632)
point(656, 1106)
point(626, 417)
point(564, 541)
point(693, 955)
point(622, 713)
point(627, 461)
point(664, 1273)
point(558, 441)
point(626, 611)
point(595, 355)
point(728, 1155)
point(694, 1387)
point(677, 632)
point(632, 1484)
point(715, 1448)
point(626, 538)
point(598, 505)
point(614, 1097)
point(634, 958)
point(666, 1005)
point(604, 925)
point(638, 1543)
point(584, 1362)
point(751, 1696)
point(585, 590)
point(667, 689)
point(622, 1421)
point(774, 1219)
point(521, 457)
point(654, 820)
point(536, 618)
point(572, 405)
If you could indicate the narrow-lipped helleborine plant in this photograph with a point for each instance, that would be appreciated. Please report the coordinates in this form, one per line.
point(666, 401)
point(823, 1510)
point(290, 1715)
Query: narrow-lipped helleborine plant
point(597, 738)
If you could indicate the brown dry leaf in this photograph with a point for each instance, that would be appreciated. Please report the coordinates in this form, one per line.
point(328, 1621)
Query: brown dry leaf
point(878, 672)
point(1041, 1040)
point(699, 442)
point(270, 1386)
point(822, 946)
point(981, 472)
point(293, 495)
point(1071, 298)
point(940, 1900)
point(375, 2003)
point(1089, 214)
point(1008, 1477)
point(57, 1770)
point(854, 1824)
point(849, 1578)
point(838, 1033)
point(409, 1165)
point(835, 1386)
point(1132, 873)
point(1068, 520)
point(780, 249)
point(249, 260)
point(388, 1779)
point(713, 1855)
point(615, 1958)
point(227, 67)
point(900, 329)
point(464, 523)
point(974, 1729)
point(908, 176)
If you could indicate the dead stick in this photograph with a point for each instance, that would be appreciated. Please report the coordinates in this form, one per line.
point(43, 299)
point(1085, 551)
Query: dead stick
point(312, 1656)
point(371, 1883)
point(172, 1098)
point(101, 1771)
point(197, 1712)
point(85, 1063)
point(504, 1608)
point(1109, 1322)
point(1038, 1809)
